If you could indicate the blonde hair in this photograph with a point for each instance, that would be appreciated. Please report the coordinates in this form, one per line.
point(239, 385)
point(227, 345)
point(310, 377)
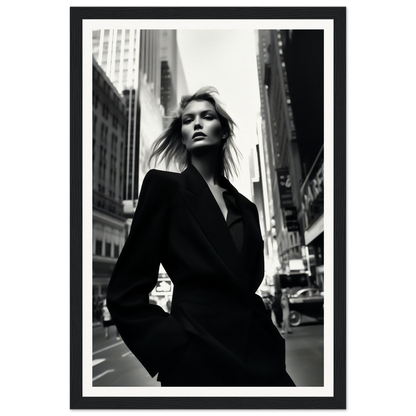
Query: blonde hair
point(169, 144)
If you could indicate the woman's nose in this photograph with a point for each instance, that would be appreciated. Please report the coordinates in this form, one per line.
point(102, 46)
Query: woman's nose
point(197, 124)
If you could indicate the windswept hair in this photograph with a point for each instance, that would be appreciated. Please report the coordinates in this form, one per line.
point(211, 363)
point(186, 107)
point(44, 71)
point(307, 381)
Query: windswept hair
point(169, 144)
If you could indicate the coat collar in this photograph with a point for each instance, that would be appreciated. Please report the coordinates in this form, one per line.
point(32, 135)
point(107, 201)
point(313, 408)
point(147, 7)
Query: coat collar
point(195, 183)
point(204, 207)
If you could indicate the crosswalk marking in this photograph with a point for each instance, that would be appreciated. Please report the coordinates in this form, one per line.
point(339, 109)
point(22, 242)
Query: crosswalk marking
point(107, 348)
point(102, 374)
point(126, 354)
point(97, 361)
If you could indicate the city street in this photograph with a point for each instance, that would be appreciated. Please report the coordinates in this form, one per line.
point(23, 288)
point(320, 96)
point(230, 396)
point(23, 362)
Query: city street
point(285, 179)
point(115, 365)
point(305, 354)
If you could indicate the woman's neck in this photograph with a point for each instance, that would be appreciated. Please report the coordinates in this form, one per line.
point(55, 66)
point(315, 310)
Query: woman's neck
point(208, 168)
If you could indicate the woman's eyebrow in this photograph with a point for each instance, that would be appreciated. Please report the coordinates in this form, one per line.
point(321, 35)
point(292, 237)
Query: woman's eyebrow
point(202, 113)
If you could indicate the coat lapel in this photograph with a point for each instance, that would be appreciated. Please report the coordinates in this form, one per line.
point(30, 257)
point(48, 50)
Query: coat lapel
point(252, 235)
point(206, 211)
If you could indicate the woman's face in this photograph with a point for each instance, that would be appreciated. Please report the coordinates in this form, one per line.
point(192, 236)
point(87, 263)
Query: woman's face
point(201, 126)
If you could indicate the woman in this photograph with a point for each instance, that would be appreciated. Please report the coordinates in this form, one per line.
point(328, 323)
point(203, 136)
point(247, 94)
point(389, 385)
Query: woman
point(207, 236)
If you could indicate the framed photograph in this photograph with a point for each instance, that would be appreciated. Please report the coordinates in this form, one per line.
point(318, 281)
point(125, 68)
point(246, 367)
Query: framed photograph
point(272, 334)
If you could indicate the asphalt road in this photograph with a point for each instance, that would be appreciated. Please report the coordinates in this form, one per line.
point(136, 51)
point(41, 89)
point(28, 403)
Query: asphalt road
point(115, 365)
point(305, 355)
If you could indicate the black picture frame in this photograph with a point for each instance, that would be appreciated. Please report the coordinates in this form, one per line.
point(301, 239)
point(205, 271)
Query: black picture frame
point(338, 16)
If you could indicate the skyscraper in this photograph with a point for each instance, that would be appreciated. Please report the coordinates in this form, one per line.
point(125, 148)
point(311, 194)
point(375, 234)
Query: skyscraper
point(146, 68)
point(303, 50)
point(280, 146)
point(117, 52)
point(290, 66)
point(173, 83)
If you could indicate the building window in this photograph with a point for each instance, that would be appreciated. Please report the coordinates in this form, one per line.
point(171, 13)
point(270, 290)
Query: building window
point(98, 247)
point(108, 249)
point(116, 250)
point(105, 111)
point(94, 125)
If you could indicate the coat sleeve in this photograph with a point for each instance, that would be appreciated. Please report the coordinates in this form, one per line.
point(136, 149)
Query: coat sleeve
point(151, 334)
point(260, 268)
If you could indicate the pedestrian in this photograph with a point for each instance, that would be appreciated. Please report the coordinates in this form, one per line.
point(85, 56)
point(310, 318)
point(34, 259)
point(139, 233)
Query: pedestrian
point(285, 313)
point(208, 239)
point(107, 320)
point(277, 308)
point(268, 301)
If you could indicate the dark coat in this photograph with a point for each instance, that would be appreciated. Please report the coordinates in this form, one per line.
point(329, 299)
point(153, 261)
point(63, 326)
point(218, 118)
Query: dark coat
point(218, 332)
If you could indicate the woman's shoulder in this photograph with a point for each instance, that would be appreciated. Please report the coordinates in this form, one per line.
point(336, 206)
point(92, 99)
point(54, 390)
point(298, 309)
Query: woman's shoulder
point(162, 181)
point(156, 175)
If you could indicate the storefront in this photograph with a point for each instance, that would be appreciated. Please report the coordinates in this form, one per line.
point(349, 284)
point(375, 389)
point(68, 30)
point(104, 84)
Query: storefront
point(311, 219)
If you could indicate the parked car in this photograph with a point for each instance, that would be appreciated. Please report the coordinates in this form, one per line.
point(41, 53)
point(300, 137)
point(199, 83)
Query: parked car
point(306, 301)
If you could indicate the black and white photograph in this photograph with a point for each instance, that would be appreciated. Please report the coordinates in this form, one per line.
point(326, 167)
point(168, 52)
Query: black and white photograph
point(207, 242)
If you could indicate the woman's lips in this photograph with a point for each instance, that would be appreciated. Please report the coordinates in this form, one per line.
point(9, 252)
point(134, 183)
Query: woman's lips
point(198, 136)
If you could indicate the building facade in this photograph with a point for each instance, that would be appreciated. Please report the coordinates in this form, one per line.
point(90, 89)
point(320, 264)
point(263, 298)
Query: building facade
point(280, 146)
point(303, 50)
point(145, 69)
point(109, 129)
point(290, 141)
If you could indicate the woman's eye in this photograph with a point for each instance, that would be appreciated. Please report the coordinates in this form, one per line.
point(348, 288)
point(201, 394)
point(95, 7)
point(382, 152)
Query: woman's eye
point(190, 120)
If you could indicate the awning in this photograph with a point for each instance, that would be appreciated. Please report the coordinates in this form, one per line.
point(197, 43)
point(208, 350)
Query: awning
point(314, 230)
